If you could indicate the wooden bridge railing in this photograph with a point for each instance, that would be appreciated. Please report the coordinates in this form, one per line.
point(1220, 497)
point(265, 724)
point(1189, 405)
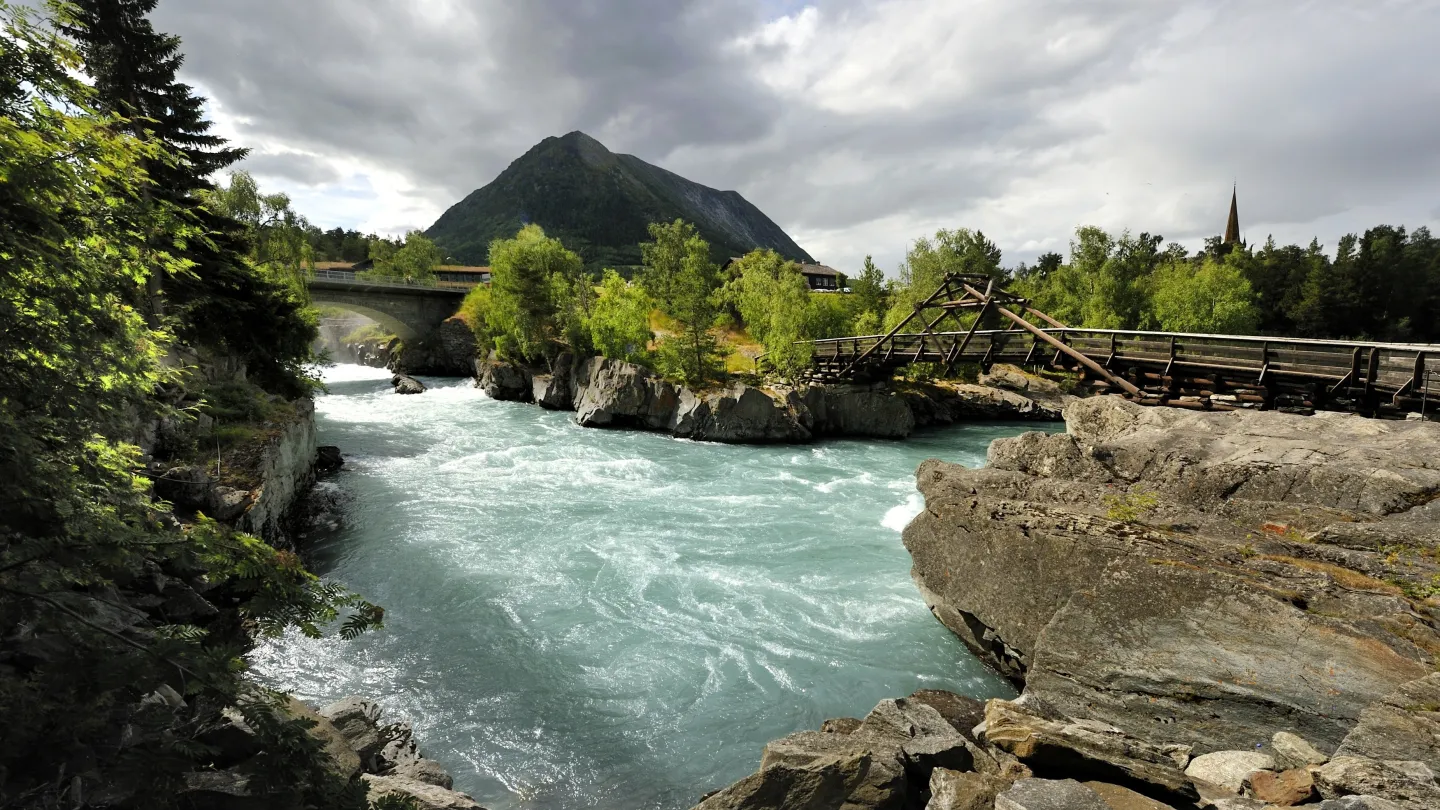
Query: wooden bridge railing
point(1168, 366)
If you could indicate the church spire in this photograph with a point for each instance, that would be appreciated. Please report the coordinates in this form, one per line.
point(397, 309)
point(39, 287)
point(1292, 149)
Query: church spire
point(1232, 226)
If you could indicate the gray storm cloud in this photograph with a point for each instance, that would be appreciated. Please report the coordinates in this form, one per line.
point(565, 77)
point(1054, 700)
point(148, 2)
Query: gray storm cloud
point(859, 126)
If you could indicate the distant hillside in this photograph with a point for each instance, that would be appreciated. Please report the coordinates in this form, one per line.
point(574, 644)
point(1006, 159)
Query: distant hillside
point(599, 204)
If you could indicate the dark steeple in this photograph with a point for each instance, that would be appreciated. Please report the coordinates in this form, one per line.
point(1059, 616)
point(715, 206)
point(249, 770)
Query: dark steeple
point(1232, 226)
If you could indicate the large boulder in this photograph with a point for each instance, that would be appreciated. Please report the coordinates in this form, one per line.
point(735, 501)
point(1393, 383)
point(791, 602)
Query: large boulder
point(424, 795)
point(886, 762)
point(1087, 749)
point(1049, 794)
point(1361, 776)
point(358, 721)
point(553, 391)
point(959, 790)
point(1193, 578)
point(504, 380)
point(737, 413)
point(1229, 769)
point(618, 394)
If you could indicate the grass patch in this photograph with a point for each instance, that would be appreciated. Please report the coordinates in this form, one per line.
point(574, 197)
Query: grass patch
point(1344, 577)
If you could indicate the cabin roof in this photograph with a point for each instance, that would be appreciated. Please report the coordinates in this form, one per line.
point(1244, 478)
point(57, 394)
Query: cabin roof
point(805, 269)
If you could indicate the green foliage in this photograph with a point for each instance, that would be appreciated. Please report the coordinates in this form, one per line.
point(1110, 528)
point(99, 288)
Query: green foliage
point(679, 275)
point(1384, 284)
point(620, 321)
point(415, 260)
point(774, 301)
point(828, 316)
point(534, 285)
point(869, 292)
point(277, 235)
point(929, 260)
point(867, 323)
point(1127, 507)
point(87, 225)
point(1213, 299)
point(475, 312)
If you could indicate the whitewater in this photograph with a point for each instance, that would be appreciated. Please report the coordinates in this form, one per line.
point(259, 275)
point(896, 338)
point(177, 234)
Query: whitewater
point(578, 618)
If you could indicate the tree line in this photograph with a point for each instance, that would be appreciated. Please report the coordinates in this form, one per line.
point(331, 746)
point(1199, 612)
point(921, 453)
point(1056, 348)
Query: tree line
point(542, 302)
point(1382, 285)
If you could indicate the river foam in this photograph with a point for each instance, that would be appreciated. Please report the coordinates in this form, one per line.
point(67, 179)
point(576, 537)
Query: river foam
point(585, 618)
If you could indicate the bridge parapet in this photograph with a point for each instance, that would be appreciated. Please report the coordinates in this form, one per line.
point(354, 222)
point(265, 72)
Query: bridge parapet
point(409, 309)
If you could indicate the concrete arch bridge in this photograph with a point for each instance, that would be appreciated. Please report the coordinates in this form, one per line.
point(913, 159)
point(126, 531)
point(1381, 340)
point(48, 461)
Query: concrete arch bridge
point(409, 310)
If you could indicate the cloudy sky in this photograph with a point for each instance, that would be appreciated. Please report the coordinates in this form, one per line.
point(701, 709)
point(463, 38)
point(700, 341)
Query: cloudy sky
point(857, 126)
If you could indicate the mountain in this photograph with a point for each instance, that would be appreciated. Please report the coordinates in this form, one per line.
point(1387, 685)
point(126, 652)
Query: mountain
point(599, 204)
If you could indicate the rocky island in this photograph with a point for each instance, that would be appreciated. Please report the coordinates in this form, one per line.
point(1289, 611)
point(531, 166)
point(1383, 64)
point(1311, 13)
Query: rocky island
point(1233, 610)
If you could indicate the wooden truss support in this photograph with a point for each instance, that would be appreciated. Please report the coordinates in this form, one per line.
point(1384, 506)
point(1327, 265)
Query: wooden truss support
point(1417, 379)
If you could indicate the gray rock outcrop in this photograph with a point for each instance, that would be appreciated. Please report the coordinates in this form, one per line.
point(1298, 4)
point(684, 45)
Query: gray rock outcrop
point(553, 391)
point(1193, 578)
point(1404, 725)
point(737, 413)
point(407, 385)
point(449, 351)
point(503, 380)
point(615, 394)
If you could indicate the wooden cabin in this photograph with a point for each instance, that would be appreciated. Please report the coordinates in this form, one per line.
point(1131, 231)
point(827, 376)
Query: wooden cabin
point(821, 278)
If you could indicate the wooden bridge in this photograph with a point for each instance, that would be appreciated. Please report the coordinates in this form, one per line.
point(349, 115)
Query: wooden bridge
point(1186, 370)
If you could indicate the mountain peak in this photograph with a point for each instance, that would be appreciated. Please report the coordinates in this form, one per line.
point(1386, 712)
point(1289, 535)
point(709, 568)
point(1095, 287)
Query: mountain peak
point(600, 204)
point(590, 150)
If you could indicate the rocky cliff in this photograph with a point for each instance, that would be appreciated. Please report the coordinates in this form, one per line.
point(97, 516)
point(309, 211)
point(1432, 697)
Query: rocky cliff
point(1199, 578)
point(1221, 610)
point(613, 394)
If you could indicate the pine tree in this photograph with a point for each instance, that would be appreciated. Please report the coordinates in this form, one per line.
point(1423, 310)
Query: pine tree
point(134, 68)
point(222, 300)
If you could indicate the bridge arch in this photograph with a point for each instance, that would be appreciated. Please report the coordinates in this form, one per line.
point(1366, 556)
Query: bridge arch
point(410, 311)
point(388, 322)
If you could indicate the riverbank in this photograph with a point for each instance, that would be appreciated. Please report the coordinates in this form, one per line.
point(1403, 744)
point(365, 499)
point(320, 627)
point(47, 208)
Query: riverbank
point(1230, 610)
point(609, 393)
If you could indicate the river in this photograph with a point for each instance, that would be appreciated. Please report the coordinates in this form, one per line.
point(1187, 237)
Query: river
point(578, 618)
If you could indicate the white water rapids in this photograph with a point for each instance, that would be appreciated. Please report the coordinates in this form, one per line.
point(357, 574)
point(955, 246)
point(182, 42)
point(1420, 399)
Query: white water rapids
point(579, 618)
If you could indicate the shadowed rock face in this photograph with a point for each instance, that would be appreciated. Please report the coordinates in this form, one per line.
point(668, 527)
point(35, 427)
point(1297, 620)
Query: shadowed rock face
point(1193, 578)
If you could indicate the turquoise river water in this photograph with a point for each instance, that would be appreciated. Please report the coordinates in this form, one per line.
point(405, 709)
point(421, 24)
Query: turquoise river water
point(579, 618)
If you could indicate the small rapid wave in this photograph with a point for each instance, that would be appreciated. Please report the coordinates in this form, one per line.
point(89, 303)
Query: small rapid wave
point(898, 517)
